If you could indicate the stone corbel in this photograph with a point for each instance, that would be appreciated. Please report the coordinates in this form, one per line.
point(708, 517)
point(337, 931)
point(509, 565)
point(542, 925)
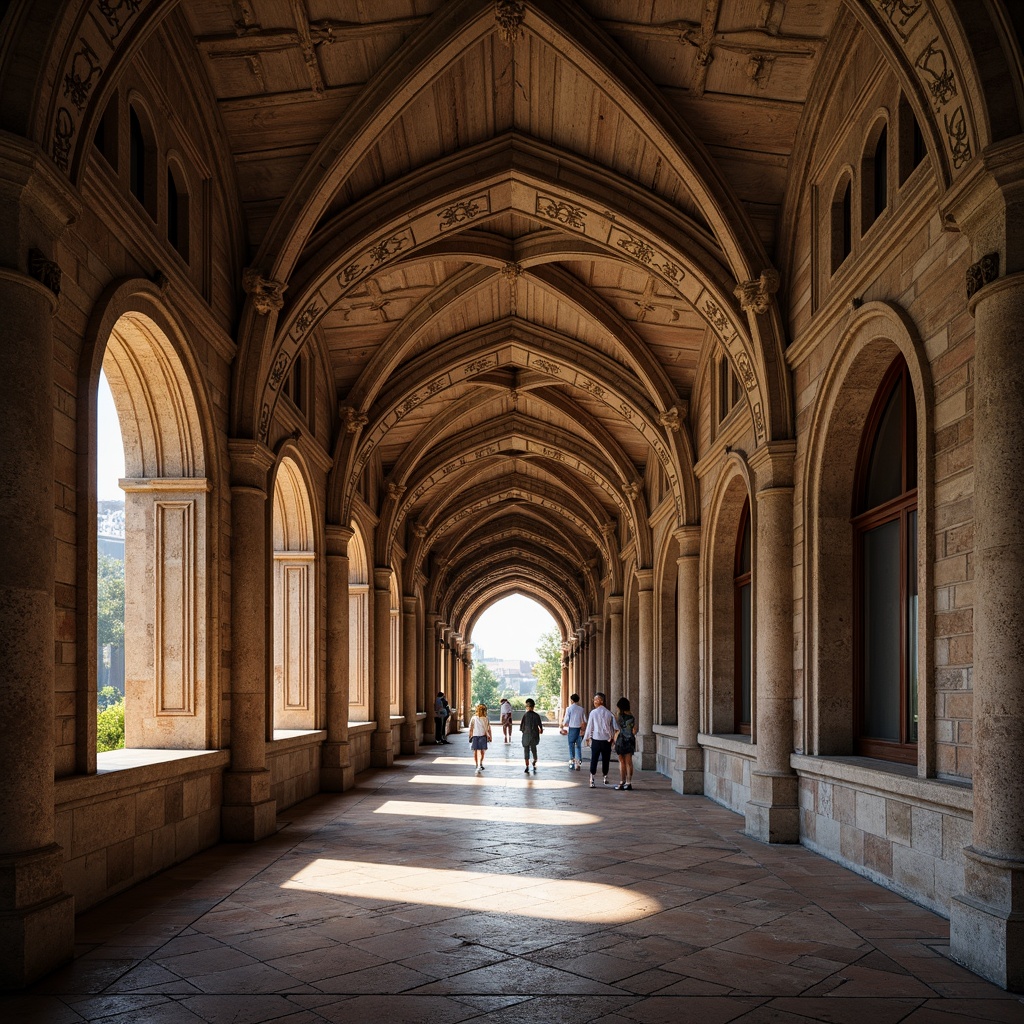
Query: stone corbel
point(756, 296)
point(267, 296)
point(509, 15)
point(45, 271)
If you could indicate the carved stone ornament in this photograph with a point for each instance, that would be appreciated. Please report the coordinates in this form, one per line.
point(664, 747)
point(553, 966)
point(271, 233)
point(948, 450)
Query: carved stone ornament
point(631, 491)
point(982, 273)
point(509, 15)
point(669, 419)
point(45, 271)
point(353, 420)
point(267, 296)
point(756, 296)
point(395, 491)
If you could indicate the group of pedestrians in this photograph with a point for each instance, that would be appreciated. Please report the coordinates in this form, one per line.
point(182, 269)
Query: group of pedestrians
point(599, 731)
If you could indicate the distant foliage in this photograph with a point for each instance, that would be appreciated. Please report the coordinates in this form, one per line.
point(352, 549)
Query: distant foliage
point(110, 727)
point(108, 697)
point(485, 686)
point(109, 601)
point(548, 670)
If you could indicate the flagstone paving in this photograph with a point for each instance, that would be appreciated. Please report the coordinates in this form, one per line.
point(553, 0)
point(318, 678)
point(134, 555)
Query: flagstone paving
point(432, 895)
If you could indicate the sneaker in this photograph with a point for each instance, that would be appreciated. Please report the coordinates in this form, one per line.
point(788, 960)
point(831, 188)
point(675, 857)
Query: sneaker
point(621, 785)
point(572, 764)
point(592, 786)
point(534, 765)
point(478, 771)
point(526, 770)
point(629, 785)
point(579, 765)
point(605, 780)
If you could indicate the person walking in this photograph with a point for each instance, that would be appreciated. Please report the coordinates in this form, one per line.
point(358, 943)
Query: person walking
point(506, 719)
point(573, 721)
point(625, 743)
point(479, 736)
point(531, 727)
point(441, 712)
point(598, 736)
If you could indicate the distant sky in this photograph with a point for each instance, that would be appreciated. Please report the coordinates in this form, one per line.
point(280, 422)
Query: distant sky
point(109, 447)
point(511, 629)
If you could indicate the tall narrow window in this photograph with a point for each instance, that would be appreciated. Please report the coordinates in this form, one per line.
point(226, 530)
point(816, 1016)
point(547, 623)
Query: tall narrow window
point(842, 224)
point(885, 547)
point(105, 139)
point(136, 157)
point(742, 630)
point(912, 149)
point(880, 174)
point(177, 211)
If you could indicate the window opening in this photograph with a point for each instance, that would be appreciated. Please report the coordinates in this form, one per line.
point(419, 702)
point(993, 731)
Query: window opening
point(742, 592)
point(885, 546)
point(177, 214)
point(137, 157)
point(880, 174)
point(842, 226)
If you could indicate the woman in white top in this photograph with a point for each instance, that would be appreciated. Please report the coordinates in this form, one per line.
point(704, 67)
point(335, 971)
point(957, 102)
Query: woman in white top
point(601, 728)
point(573, 722)
point(479, 736)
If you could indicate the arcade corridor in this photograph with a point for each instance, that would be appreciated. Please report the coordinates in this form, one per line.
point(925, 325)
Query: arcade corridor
point(427, 894)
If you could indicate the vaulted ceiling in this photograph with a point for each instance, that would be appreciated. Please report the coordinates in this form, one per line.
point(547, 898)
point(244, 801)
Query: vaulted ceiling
point(514, 228)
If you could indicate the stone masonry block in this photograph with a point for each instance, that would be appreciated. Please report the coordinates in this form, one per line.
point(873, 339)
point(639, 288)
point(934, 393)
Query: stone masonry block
point(871, 813)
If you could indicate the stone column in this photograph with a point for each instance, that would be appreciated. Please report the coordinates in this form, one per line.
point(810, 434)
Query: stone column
point(688, 774)
point(987, 921)
point(615, 649)
point(37, 923)
point(566, 684)
point(382, 750)
point(248, 812)
point(410, 679)
point(337, 772)
point(430, 687)
point(594, 656)
point(773, 814)
point(647, 747)
point(580, 664)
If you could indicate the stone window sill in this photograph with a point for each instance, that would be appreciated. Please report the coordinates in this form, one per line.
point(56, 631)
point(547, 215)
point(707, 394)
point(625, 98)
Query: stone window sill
point(730, 743)
point(138, 768)
point(887, 779)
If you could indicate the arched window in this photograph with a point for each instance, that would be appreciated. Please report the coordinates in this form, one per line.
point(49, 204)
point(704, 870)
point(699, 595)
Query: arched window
point(177, 211)
point(358, 627)
point(912, 147)
point(885, 574)
point(395, 627)
point(141, 162)
point(875, 179)
point(842, 224)
point(105, 140)
point(741, 584)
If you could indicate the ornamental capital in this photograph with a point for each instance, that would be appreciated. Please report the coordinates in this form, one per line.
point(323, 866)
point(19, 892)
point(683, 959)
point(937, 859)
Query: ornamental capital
point(756, 296)
point(267, 296)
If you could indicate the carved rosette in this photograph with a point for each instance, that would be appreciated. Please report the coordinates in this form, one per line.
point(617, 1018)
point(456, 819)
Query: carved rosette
point(509, 15)
point(267, 296)
point(756, 296)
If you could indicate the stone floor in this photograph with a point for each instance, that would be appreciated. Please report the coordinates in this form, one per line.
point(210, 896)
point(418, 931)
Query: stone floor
point(428, 894)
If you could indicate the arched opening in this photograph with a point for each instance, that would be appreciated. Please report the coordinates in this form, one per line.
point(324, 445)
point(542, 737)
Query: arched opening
point(730, 677)
point(874, 176)
point(141, 160)
point(167, 700)
point(667, 664)
point(178, 209)
point(885, 574)
point(395, 647)
point(294, 701)
point(912, 147)
point(358, 626)
point(841, 223)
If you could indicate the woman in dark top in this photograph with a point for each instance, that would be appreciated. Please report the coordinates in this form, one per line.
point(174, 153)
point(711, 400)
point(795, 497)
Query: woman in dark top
point(531, 728)
point(625, 743)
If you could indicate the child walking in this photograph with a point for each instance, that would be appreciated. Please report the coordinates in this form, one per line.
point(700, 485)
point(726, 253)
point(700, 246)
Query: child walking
point(531, 728)
point(479, 736)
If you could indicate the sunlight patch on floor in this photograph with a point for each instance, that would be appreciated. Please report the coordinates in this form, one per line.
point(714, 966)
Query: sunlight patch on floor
point(476, 812)
point(505, 783)
point(549, 898)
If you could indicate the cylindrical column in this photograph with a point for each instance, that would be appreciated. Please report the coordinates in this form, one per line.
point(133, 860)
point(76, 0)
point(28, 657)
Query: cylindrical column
point(986, 927)
point(410, 679)
point(566, 685)
point(249, 812)
point(773, 814)
point(615, 649)
point(336, 770)
point(592, 649)
point(37, 915)
point(688, 774)
point(382, 750)
point(645, 653)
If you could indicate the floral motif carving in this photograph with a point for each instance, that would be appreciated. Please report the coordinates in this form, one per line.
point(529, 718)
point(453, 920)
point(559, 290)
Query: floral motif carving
point(353, 420)
point(756, 296)
point(715, 316)
point(759, 422)
point(78, 82)
point(264, 426)
point(460, 212)
point(113, 10)
point(637, 248)
point(307, 318)
point(267, 296)
point(982, 273)
point(63, 135)
point(900, 13)
point(478, 365)
point(546, 366)
point(746, 371)
point(591, 386)
point(509, 15)
point(45, 271)
point(959, 143)
point(436, 385)
point(562, 212)
point(932, 62)
point(279, 369)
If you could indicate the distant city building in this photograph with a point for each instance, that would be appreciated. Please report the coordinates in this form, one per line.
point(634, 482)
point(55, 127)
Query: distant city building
point(513, 674)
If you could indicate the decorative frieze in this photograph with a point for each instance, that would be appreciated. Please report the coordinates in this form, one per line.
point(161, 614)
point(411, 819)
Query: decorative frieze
point(982, 273)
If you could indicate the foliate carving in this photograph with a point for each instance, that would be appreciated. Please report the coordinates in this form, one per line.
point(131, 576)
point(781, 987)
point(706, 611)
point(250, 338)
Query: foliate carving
point(353, 420)
point(982, 273)
point(419, 531)
point(591, 386)
point(899, 13)
point(479, 365)
point(509, 15)
point(746, 371)
point(462, 211)
point(759, 422)
point(267, 296)
point(715, 316)
point(279, 369)
point(78, 82)
point(45, 271)
point(546, 366)
point(307, 318)
point(956, 131)
point(631, 491)
point(63, 136)
point(264, 426)
point(115, 10)
point(637, 248)
point(562, 212)
point(380, 252)
point(931, 61)
point(512, 272)
point(395, 491)
point(756, 296)
point(669, 419)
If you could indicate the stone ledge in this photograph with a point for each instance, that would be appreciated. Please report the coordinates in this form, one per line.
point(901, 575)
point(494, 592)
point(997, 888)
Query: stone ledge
point(729, 744)
point(361, 728)
point(289, 739)
point(666, 730)
point(121, 770)
point(887, 780)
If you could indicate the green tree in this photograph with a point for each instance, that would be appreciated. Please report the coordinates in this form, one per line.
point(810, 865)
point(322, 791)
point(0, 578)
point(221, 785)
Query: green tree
point(109, 601)
point(108, 697)
point(110, 728)
point(485, 686)
point(548, 670)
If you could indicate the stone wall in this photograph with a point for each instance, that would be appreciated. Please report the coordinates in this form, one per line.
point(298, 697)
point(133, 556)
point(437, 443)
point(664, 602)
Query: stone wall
point(293, 760)
point(727, 767)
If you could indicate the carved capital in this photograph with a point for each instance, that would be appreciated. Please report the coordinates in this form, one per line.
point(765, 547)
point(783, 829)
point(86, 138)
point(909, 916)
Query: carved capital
point(353, 420)
point(631, 491)
point(45, 271)
point(756, 296)
point(395, 491)
point(979, 274)
point(509, 15)
point(671, 419)
point(267, 296)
